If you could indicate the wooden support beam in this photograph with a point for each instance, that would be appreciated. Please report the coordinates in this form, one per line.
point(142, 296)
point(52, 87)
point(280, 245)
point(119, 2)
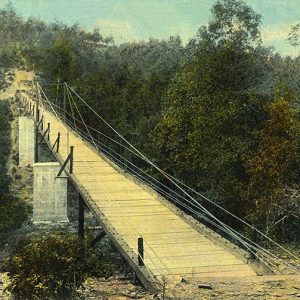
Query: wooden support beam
point(141, 251)
point(56, 143)
point(98, 238)
point(48, 131)
point(80, 217)
point(40, 123)
point(69, 159)
point(64, 101)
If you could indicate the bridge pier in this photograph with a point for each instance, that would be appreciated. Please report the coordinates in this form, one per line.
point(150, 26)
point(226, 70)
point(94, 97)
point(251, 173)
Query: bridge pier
point(26, 142)
point(49, 193)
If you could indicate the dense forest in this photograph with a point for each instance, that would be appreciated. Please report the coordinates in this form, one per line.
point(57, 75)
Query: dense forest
point(220, 113)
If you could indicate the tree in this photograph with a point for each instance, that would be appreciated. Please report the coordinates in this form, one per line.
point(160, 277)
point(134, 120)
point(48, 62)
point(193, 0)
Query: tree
point(294, 35)
point(213, 106)
point(128, 87)
point(59, 59)
point(275, 164)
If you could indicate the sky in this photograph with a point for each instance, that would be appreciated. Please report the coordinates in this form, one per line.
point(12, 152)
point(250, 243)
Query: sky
point(134, 20)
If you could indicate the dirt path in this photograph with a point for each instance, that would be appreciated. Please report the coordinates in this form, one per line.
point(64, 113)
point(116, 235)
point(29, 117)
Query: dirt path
point(253, 288)
point(259, 287)
point(16, 83)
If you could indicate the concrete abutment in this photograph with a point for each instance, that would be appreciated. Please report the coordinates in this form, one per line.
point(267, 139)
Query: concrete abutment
point(26, 141)
point(49, 193)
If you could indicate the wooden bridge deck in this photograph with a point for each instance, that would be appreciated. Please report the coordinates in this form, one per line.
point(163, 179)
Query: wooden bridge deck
point(175, 245)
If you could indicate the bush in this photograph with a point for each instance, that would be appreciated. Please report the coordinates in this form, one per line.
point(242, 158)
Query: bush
point(18, 176)
point(13, 213)
point(52, 267)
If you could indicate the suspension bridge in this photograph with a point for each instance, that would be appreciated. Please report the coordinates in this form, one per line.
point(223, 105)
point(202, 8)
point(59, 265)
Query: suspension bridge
point(161, 229)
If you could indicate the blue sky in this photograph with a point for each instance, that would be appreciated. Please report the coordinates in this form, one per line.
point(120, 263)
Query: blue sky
point(130, 20)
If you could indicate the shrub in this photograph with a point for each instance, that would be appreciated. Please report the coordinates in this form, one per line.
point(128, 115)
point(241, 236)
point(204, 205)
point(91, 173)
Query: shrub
point(13, 213)
point(18, 176)
point(51, 267)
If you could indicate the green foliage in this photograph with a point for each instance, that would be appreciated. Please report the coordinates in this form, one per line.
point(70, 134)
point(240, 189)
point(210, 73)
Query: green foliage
point(10, 37)
point(294, 35)
point(129, 86)
point(60, 61)
point(203, 111)
point(234, 22)
point(212, 108)
point(52, 267)
point(215, 107)
point(274, 166)
point(13, 211)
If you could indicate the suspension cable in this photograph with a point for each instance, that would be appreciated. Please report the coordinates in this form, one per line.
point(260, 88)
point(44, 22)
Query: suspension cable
point(175, 181)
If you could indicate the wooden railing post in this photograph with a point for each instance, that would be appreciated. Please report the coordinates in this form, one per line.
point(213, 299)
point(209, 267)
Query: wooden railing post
point(48, 131)
point(37, 119)
point(42, 122)
point(58, 141)
point(71, 158)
